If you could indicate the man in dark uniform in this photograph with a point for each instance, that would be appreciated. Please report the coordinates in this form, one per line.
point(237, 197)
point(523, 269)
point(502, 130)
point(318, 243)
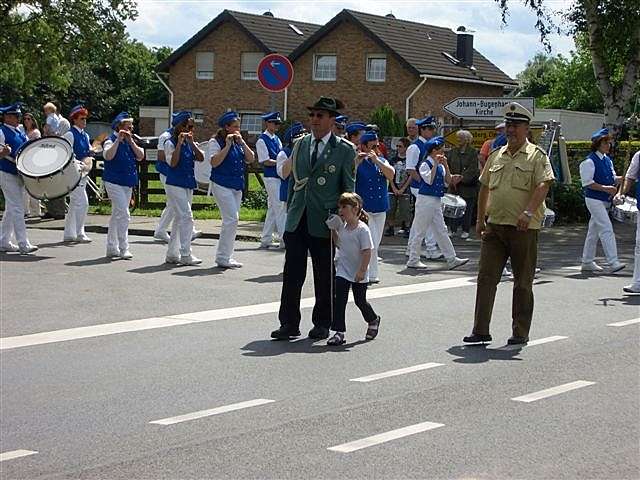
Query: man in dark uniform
point(515, 182)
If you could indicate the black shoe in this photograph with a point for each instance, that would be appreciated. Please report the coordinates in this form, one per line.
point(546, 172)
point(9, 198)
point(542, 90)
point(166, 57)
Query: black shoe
point(319, 333)
point(476, 338)
point(515, 340)
point(284, 333)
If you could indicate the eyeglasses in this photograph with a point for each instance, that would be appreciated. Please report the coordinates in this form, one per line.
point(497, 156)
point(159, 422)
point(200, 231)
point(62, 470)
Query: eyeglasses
point(317, 114)
point(82, 118)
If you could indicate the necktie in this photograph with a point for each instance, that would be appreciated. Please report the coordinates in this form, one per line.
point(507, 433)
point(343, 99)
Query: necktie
point(314, 155)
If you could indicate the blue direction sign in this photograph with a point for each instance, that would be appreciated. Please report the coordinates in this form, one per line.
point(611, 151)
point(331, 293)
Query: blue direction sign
point(275, 72)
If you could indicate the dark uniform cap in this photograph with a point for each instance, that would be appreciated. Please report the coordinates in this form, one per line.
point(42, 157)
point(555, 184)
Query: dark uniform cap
point(272, 117)
point(121, 117)
point(341, 120)
point(435, 142)
point(353, 127)
point(293, 131)
point(331, 105)
point(14, 108)
point(178, 117)
point(368, 137)
point(227, 117)
point(429, 121)
point(603, 132)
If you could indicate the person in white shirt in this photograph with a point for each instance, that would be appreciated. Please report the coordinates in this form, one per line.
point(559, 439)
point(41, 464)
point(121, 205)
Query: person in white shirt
point(268, 146)
point(32, 206)
point(631, 177)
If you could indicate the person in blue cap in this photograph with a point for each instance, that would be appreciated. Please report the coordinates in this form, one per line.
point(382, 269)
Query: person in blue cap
point(120, 175)
point(340, 125)
point(78, 200)
point(600, 185)
point(11, 139)
point(630, 178)
point(416, 154)
point(181, 152)
point(373, 173)
point(166, 217)
point(354, 131)
point(435, 175)
point(268, 146)
point(283, 161)
point(228, 154)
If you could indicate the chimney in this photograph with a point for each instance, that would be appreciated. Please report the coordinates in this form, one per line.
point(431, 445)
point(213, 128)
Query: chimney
point(268, 14)
point(464, 46)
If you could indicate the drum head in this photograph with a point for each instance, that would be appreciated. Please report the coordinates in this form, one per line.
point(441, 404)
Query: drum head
point(44, 156)
point(453, 200)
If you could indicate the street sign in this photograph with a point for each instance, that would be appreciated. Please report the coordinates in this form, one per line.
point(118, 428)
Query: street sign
point(485, 108)
point(275, 72)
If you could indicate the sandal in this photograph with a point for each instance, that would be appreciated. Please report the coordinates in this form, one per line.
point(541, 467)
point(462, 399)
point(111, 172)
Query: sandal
point(337, 339)
point(372, 331)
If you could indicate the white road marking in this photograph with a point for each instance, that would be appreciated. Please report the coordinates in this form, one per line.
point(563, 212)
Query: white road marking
point(532, 343)
point(212, 411)
point(393, 373)
point(625, 323)
point(15, 454)
point(65, 335)
point(385, 437)
point(550, 392)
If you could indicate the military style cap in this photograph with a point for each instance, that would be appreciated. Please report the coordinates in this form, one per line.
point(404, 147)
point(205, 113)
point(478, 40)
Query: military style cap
point(121, 117)
point(293, 131)
point(368, 137)
point(227, 117)
point(14, 108)
point(341, 121)
point(353, 127)
point(78, 110)
point(178, 117)
point(429, 121)
point(272, 117)
point(331, 105)
point(603, 132)
point(514, 112)
point(435, 142)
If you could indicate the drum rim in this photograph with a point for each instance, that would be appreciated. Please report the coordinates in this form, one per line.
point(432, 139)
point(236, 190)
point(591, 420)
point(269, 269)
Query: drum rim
point(37, 140)
point(57, 196)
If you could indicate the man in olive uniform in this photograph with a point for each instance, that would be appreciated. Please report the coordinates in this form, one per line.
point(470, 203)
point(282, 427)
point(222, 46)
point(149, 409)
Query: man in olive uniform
point(322, 169)
point(514, 184)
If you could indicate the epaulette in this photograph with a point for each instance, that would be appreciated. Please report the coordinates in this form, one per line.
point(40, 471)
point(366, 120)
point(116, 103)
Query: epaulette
point(540, 148)
point(348, 142)
point(495, 150)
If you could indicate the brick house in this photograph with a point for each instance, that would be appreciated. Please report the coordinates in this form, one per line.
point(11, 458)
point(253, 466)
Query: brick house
point(365, 60)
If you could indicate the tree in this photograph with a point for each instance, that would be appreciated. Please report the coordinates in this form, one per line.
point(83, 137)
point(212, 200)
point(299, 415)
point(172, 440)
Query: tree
point(612, 33)
point(387, 121)
point(537, 77)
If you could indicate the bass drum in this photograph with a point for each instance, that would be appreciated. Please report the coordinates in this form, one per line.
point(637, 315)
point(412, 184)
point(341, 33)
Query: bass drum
point(453, 206)
point(202, 170)
point(47, 168)
point(626, 212)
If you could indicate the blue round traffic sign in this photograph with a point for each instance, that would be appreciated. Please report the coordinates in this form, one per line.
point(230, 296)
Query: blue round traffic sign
point(275, 72)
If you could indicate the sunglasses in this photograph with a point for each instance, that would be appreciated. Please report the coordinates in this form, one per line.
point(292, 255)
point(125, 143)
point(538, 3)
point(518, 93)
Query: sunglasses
point(317, 114)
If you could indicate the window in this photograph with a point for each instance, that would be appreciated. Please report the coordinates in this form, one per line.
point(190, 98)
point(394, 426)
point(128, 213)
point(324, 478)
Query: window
point(251, 123)
point(376, 68)
point(324, 67)
point(198, 115)
point(204, 65)
point(250, 63)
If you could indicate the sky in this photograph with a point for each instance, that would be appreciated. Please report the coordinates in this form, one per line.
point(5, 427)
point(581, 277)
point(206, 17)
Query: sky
point(173, 22)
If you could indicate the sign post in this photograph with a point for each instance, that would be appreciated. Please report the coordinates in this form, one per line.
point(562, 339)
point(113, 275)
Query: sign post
point(275, 74)
point(485, 108)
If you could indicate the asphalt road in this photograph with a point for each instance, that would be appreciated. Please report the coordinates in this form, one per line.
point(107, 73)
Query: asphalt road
point(187, 359)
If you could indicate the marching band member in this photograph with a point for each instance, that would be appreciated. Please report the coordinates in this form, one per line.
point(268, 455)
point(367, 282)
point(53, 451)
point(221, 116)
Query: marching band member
point(228, 154)
point(180, 153)
point(435, 174)
point(599, 182)
point(29, 127)
point(11, 139)
point(354, 131)
point(340, 125)
point(631, 177)
point(78, 200)
point(372, 173)
point(120, 176)
point(268, 146)
point(415, 156)
point(167, 215)
point(283, 160)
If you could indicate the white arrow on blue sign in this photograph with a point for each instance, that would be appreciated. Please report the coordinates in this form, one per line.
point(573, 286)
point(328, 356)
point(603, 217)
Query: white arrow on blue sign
point(275, 72)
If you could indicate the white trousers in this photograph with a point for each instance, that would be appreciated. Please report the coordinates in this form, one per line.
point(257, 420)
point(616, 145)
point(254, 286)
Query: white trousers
point(636, 262)
point(228, 201)
point(376, 225)
point(77, 212)
point(167, 215)
point(429, 239)
point(276, 211)
point(599, 228)
point(179, 200)
point(428, 216)
point(13, 217)
point(118, 233)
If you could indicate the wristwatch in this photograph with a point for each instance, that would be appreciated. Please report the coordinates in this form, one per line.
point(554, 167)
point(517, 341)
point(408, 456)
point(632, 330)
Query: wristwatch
point(528, 213)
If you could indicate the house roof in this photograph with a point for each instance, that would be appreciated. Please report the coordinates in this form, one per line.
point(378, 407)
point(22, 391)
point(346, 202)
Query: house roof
point(272, 35)
point(418, 46)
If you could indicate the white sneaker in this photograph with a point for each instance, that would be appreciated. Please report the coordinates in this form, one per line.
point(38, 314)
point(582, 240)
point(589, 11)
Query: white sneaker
point(112, 254)
point(84, 239)
point(69, 239)
point(615, 267)
point(161, 236)
point(196, 234)
point(417, 265)
point(231, 263)
point(27, 249)
point(126, 255)
point(189, 260)
point(456, 262)
point(9, 248)
point(591, 267)
point(631, 289)
point(172, 259)
point(464, 235)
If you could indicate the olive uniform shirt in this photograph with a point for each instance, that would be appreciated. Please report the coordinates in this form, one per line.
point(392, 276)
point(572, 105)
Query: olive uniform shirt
point(511, 181)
